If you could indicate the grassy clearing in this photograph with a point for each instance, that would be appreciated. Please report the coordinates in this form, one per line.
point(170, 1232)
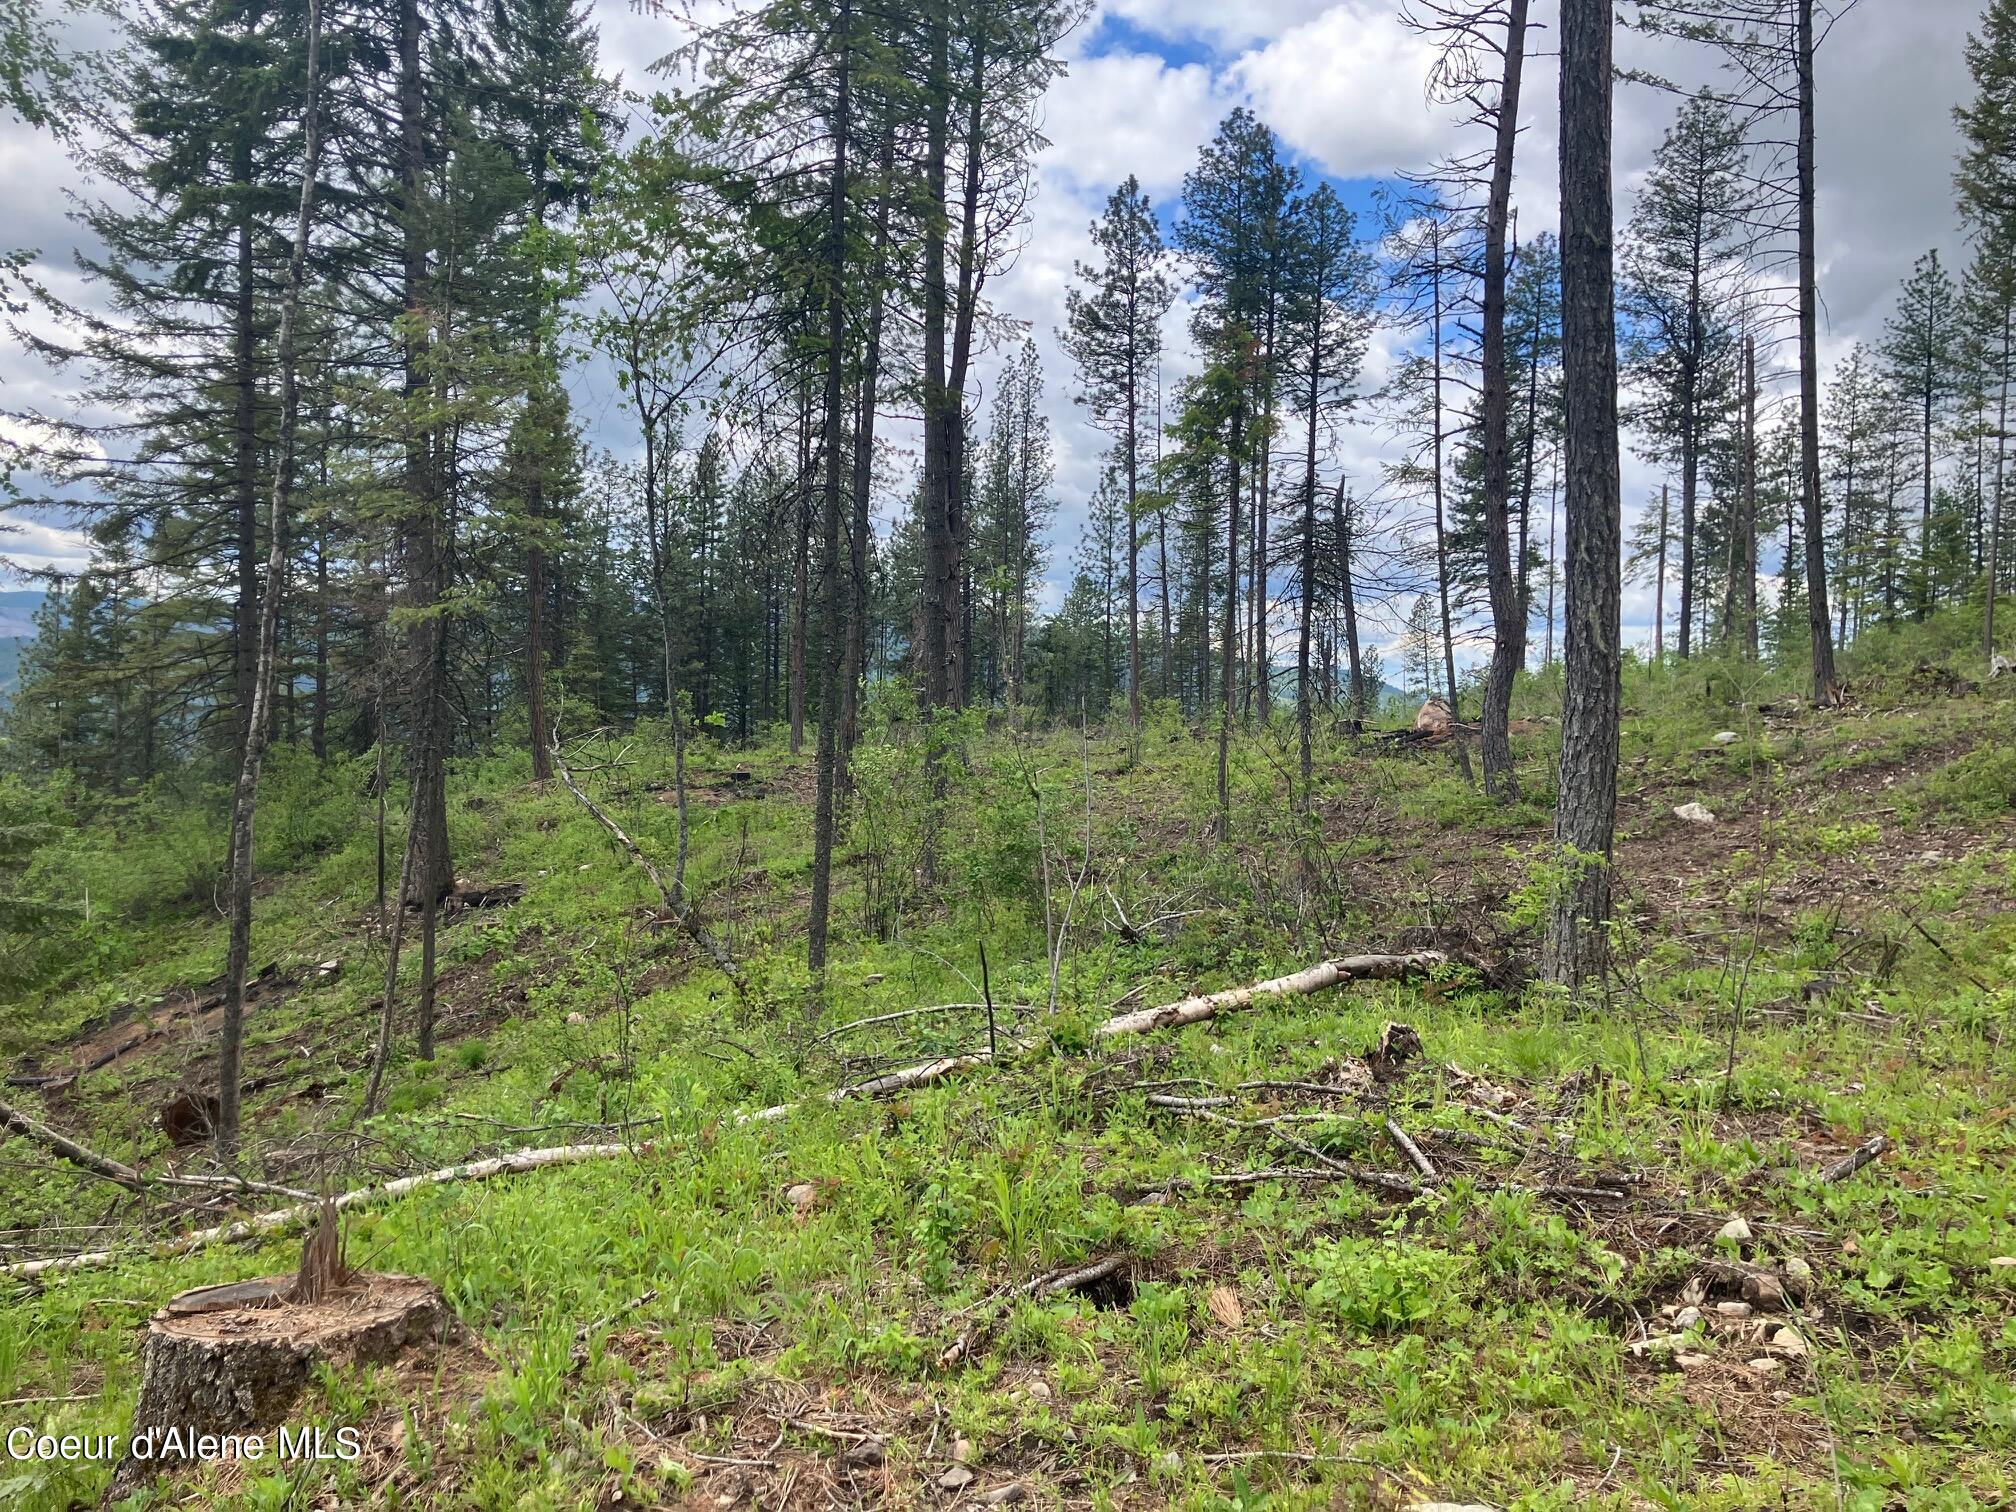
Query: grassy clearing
point(1286, 1342)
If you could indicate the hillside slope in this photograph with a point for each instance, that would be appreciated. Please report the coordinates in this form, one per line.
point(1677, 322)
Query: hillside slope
point(1383, 1243)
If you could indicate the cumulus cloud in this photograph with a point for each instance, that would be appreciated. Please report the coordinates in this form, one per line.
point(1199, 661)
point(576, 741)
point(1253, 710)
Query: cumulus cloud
point(38, 545)
point(1347, 89)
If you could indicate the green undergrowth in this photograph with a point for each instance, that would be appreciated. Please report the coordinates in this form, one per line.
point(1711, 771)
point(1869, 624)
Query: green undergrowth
point(778, 1291)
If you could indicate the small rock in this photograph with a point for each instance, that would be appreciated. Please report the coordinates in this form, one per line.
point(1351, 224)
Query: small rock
point(864, 1454)
point(1797, 1276)
point(329, 969)
point(1736, 1231)
point(1764, 1365)
point(1686, 1318)
point(577, 1019)
point(1787, 1342)
point(962, 1450)
point(956, 1478)
point(1658, 1347)
point(1693, 813)
point(1765, 1290)
point(1002, 1496)
point(2003, 1262)
point(1734, 1309)
point(1726, 737)
point(804, 1197)
point(874, 979)
point(1688, 1359)
point(1169, 1463)
point(1039, 1391)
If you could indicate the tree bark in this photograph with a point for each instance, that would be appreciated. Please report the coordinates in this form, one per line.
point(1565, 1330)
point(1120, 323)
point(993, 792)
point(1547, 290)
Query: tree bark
point(1508, 617)
point(1659, 581)
point(1347, 591)
point(1826, 687)
point(831, 597)
point(1995, 513)
point(1586, 810)
point(853, 672)
point(1441, 535)
point(1229, 650)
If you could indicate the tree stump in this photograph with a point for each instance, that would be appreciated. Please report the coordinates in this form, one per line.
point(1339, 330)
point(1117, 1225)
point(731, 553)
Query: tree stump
point(234, 1359)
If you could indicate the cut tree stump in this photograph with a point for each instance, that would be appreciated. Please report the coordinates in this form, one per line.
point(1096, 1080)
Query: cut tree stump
point(235, 1359)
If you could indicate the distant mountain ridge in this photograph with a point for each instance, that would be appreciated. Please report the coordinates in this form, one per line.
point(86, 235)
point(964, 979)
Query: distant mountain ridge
point(17, 611)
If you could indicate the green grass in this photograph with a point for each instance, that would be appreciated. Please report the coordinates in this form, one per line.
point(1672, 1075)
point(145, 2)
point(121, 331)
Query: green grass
point(1471, 1343)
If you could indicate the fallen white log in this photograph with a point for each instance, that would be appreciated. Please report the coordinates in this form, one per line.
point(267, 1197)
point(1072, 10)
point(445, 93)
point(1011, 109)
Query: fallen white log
point(1171, 1015)
point(1362, 968)
point(281, 1218)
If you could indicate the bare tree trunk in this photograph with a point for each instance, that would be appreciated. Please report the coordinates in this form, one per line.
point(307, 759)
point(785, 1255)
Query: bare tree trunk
point(245, 456)
point(1133, 443)
point(318, 722)
point(1229, 650)
point(1659, 582)
point(831, 596)
point(1746, 526)
point(1304, 694)
point(245, 793)
point(940, 586)
point(1586, 811)
point(1995, 513)
point(1826, 687)
point(965, 314)
point(1347, 591)
point(535, 650)
point(419, 520)
point(1508, 615)
point(853, 673)
point(801, 585)
point(1441, 535)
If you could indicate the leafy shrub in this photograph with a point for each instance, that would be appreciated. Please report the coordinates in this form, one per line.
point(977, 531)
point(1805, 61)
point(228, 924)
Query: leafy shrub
point(1384, 1286)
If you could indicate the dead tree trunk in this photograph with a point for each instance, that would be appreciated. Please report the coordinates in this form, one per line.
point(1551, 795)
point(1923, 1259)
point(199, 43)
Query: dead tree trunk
point(831, 598)
point(1826, 686)
point(1508, 615)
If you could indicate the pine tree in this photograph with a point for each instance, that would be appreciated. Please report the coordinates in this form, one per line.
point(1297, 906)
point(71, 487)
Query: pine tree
point(1325, 326)
point(1113, 332)
point(1921, 350)
point(1682, 268)
point(1986, 185)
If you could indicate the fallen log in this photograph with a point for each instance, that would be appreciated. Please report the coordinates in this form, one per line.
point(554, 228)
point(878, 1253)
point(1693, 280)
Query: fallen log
point(13, 1120)
point(283, 1218)
point(1194, 1010)
point(1855, 1159)
point(1173, 1015)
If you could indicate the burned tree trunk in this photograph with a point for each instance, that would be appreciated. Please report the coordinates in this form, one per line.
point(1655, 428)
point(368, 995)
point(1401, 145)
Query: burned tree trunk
point(1508, 613)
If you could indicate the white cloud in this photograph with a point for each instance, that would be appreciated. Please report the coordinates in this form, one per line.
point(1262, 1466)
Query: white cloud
point(36, 544)
point(1347, 88)
point(1131, 112)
